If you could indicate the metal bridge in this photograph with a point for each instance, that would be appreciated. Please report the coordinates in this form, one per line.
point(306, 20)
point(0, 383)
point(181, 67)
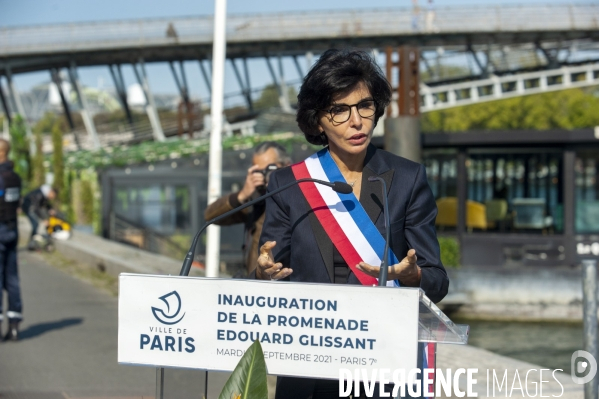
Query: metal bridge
point(509, 50)
point(500, 87)
point(54, 46)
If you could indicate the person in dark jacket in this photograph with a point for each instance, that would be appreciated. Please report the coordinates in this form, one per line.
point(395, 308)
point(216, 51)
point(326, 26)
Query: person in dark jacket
point(37, 205)
point(267, 157)
point(10, 196)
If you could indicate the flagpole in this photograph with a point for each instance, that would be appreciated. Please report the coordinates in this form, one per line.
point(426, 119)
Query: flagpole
point(216, 116)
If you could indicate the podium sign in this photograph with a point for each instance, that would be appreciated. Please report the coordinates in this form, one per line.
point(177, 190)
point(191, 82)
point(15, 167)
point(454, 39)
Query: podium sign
point(306, 330)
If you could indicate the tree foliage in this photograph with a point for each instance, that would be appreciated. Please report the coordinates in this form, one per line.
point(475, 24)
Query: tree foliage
point(47, 122)
point(568, 109)
point(270, 97)
point(450, 251)
point(58, 163)
point(37, 164)
point(19, 150)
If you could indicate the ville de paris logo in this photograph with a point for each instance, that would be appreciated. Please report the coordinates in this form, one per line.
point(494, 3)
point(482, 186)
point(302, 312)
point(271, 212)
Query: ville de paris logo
point(172, 301)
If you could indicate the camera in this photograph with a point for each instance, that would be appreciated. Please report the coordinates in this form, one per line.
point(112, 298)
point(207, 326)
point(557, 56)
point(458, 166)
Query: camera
point(267, 171)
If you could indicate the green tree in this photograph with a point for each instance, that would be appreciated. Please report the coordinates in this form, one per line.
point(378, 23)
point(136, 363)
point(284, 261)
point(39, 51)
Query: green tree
point(58, 164)
point(37, 164)
point(68, 197)
point(270, 97)
point(87, 201)
point(567, 109)
point(19, 150)
point(47, 122)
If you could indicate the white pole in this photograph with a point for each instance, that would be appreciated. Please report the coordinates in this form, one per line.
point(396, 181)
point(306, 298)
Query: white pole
point(216, 116)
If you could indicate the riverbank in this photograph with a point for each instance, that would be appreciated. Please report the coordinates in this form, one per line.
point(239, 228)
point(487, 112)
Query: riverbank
point(522, 294)
point(548, 344)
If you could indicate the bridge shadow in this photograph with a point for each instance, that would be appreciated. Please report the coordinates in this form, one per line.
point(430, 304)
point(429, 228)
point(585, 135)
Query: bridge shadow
point(42, 328)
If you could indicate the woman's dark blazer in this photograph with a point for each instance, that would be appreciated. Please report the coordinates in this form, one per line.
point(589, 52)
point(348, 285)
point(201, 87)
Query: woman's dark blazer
point(303, 245)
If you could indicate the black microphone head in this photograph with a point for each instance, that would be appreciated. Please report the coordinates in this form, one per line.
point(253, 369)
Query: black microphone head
point(342, 188)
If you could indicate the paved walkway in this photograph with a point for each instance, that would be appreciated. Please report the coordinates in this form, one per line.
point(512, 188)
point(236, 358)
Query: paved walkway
point(464, 356)
point(69, 347)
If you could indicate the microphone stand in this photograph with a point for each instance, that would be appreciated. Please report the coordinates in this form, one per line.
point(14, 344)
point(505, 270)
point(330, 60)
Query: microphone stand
point(338, 186)
point(384, 270)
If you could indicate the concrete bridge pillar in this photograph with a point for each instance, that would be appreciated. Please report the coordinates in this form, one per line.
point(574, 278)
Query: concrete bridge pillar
point(142, 78)
point(88, 121)
point(280, 83)
point(119, 84)
point(55, 75)
point(402, 137)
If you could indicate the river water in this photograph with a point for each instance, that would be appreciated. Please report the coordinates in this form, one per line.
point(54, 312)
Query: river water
point(546, 344)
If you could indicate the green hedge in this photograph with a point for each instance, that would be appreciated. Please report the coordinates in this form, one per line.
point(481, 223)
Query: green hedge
point(152, 151)
point(450, 251)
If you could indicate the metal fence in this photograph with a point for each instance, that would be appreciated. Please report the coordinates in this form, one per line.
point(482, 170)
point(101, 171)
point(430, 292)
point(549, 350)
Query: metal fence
point(16, 41)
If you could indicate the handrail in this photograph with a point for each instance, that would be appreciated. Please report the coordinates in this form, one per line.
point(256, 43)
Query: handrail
point(500, 87)
point(117, 133)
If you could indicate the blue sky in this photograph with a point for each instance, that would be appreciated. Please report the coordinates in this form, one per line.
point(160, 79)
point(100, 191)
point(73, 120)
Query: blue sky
point(36, 12)
point(33, 12)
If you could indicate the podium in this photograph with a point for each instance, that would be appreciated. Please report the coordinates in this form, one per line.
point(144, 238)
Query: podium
point(306, 330)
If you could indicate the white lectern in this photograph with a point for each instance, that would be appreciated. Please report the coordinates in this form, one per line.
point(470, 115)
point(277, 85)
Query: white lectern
point(306, 330)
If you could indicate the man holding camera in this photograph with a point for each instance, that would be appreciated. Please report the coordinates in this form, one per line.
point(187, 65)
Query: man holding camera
point(268, 156)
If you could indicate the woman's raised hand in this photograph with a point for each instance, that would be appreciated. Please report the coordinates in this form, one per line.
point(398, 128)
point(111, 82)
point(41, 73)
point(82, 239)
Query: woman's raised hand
point(267, 269)
point(407, 271)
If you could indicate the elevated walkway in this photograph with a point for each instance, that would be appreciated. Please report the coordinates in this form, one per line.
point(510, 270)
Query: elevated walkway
point(190, 38)
point(502, 87)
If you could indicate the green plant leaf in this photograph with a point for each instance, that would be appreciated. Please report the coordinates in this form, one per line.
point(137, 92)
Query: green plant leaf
point(248, 380)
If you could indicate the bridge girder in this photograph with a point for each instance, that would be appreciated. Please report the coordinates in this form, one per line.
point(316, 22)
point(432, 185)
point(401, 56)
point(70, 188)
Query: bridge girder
point(192, 51)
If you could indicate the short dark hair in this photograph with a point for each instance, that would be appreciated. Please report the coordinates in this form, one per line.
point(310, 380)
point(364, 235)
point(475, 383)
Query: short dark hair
point(338, 71)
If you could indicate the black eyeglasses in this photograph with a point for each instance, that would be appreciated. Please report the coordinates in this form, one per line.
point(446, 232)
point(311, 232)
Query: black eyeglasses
point(342, 112)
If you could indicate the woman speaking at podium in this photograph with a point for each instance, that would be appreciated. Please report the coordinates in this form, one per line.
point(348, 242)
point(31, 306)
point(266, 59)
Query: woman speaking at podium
point(313, 234)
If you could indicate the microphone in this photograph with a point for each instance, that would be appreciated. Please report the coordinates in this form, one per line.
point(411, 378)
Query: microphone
point(337, 186)
point(385, 264)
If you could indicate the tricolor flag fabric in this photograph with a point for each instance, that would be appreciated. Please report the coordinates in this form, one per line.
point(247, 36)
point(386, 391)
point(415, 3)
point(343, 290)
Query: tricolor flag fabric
point(429, 362)
point(342, 216)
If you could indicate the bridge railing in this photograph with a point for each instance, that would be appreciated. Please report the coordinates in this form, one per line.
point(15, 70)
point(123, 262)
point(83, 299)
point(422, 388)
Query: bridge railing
point(300, 25)
point(500, 87)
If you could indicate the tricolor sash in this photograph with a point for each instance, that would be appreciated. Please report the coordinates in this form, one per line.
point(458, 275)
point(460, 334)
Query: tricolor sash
point(429, 362)
point(342, 216)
